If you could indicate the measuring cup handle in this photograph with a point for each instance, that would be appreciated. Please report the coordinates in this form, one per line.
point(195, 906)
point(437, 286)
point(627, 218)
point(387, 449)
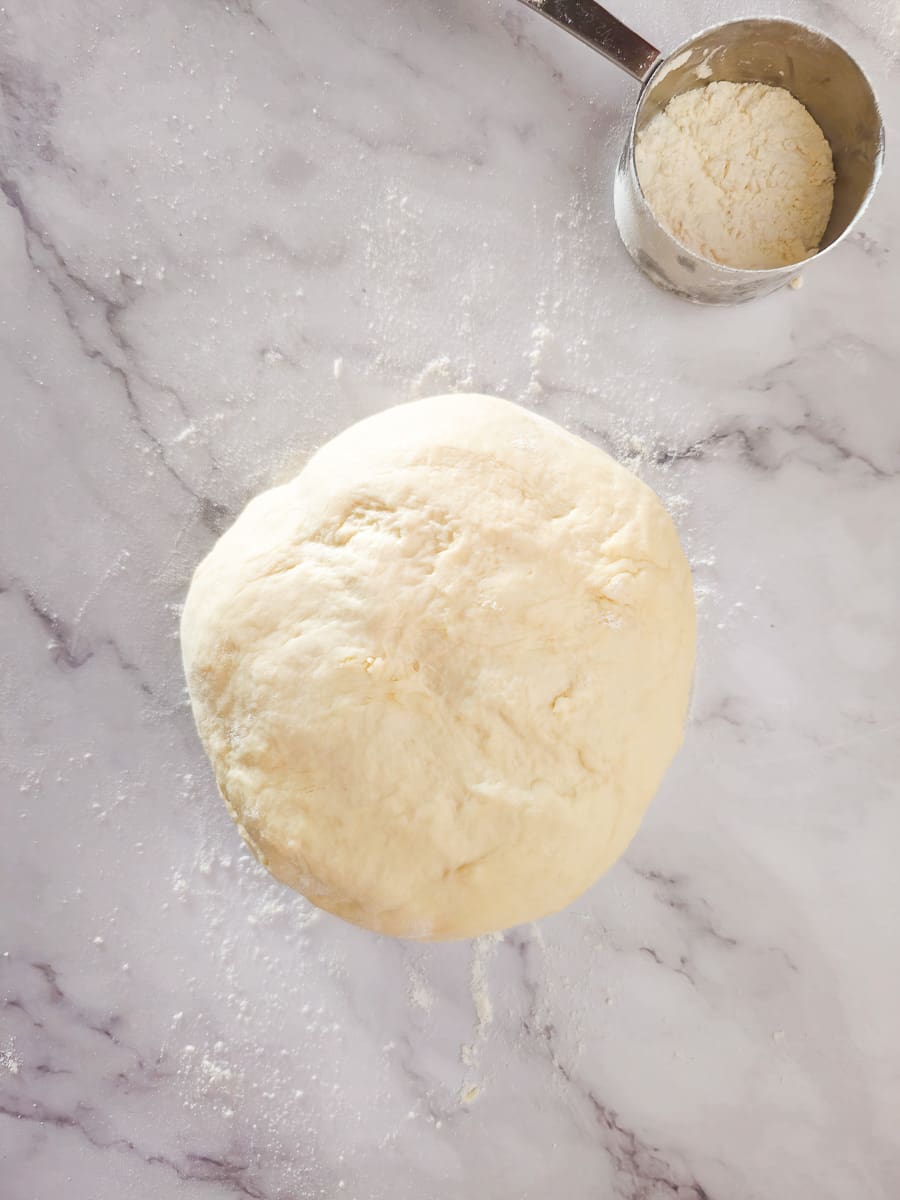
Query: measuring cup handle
point(602, 31)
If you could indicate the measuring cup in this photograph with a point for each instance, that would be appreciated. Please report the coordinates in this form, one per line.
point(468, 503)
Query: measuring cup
point(812, 67)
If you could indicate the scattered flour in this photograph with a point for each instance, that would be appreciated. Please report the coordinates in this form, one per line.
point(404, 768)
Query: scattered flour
point(420, 992)
point(541, 336)
point(483, 950)
point(9, 1059)
point(441, 376)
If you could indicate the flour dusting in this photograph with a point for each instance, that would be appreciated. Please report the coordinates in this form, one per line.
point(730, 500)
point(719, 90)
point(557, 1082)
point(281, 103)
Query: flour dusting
point(9, 1059)
point(420, 992)
point(483, 950)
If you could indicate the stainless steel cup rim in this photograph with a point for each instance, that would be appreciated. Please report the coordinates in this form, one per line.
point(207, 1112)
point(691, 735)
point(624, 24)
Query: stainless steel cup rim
point(685, 47)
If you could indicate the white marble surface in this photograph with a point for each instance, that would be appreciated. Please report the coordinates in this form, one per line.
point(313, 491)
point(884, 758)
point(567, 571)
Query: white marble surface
point(229, 230)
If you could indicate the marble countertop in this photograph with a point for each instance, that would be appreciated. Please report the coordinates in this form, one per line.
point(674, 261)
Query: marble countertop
point(229, 230)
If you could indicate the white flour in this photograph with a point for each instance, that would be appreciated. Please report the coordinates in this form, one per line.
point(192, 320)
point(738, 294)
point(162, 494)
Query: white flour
point(419, 992)
point(739, 173)
point(9, 1059)
point(483, 950)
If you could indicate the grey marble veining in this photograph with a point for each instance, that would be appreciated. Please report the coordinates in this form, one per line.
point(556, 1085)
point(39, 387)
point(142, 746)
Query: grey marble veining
point(229, 230)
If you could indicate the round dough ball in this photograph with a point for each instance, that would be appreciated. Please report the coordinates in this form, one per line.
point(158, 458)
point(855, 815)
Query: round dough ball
point(441, 672)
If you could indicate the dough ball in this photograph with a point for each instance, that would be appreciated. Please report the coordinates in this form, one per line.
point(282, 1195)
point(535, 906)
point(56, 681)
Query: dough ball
point(441, 672)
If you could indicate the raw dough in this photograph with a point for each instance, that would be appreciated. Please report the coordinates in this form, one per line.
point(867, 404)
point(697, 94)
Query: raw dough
point(441, 672)
point(740, 173)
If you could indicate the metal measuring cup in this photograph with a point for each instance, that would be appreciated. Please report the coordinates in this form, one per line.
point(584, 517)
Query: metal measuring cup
point(813, 67)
